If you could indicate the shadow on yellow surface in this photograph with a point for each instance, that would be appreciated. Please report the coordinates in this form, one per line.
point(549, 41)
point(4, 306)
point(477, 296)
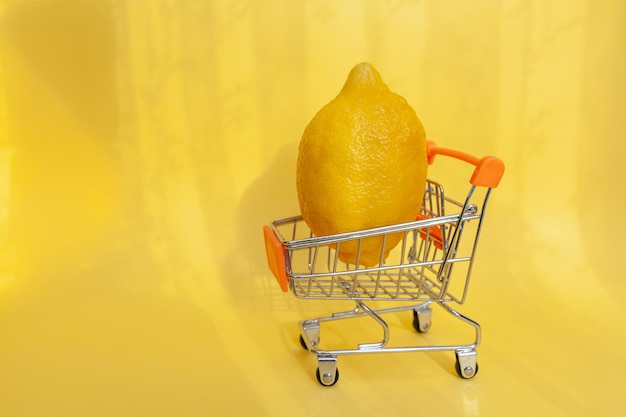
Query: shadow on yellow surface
point(144, 144)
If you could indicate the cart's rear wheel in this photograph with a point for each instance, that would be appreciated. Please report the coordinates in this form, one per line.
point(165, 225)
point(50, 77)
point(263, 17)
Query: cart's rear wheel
point(328, 380)
point(468, 372)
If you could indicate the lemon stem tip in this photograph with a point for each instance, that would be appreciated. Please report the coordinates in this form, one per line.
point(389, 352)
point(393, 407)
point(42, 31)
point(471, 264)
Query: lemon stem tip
point(363, 75)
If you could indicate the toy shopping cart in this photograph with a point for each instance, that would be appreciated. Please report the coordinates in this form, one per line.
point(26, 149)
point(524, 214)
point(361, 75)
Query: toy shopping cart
point(430, 266)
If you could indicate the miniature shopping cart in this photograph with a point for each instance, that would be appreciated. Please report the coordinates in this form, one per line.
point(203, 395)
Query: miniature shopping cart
point(430, 266)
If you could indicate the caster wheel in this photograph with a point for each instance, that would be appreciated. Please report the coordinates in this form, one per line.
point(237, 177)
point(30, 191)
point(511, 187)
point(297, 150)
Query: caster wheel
point(422, 319)
point(303, 343)
point(466, 373)
point(327, 380)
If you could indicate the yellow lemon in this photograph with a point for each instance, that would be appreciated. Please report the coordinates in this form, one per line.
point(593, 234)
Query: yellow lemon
point(362, 164)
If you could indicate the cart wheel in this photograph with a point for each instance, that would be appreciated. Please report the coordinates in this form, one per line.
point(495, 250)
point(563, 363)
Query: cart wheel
point(469, 370)
point(422, 318)
point(303, 343)
point(328, 380)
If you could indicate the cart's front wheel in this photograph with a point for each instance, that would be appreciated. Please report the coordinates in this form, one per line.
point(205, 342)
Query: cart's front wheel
point(327, 379)
point(327, 373)
point(313, 342)
point(422, 319)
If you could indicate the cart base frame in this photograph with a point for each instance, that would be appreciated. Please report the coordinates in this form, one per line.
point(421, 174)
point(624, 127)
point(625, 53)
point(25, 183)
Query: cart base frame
point(327, 373)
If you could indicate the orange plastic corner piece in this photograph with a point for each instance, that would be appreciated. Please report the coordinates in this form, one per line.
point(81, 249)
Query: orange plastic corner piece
point(433, 233)
point(275, 252)
point(488, 172)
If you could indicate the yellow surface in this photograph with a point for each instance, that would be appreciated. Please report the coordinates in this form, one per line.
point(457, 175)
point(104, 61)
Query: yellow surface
point(143, 144)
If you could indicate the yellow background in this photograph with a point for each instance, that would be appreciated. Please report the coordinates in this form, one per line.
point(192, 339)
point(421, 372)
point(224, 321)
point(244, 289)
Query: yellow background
point(143, 144)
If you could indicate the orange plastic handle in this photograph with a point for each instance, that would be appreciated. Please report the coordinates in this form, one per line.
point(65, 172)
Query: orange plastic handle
point(275, 252)
point(489, 169)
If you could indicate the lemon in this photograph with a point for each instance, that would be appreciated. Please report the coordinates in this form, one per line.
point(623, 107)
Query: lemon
point(361, 164)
